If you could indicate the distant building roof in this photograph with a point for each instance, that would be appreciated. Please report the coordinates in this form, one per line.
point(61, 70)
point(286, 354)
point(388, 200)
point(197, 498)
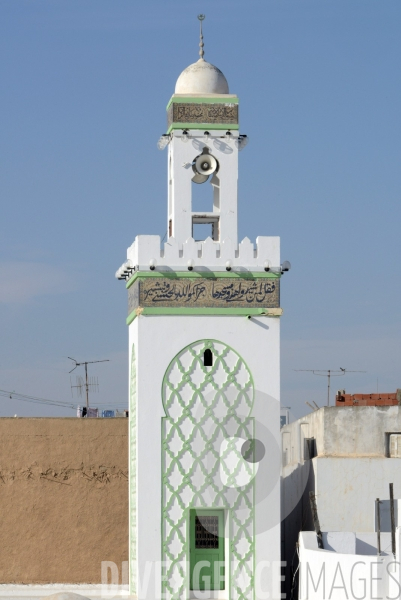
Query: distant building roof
point(382, 399)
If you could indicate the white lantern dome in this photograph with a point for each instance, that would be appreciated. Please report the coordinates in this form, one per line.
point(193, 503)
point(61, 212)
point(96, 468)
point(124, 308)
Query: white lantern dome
point(201, 78)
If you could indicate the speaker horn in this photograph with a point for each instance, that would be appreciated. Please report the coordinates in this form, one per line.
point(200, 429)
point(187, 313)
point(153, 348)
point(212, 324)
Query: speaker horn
point(203, 166)
point(200, 178)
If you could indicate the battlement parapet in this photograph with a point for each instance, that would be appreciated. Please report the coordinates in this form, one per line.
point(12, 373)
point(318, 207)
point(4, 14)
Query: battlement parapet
point(207, 255)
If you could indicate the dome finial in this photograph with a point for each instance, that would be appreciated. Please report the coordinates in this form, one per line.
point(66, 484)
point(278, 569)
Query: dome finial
point(201, 44)
point(201, 77)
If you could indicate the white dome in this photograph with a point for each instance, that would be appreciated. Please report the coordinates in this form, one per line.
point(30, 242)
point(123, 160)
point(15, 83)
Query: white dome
point(201, 78)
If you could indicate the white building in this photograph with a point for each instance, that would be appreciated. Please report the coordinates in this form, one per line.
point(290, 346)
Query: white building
point(284, 415)
point(347, 456)
point(349, 567)
point(204, 342)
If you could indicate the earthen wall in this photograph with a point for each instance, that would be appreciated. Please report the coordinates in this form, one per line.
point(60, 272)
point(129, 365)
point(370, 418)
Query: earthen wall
point(63, 498)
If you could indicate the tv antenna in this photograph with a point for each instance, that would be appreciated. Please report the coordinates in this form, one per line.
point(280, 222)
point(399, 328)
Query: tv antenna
point(88, 383)
point(329, 373)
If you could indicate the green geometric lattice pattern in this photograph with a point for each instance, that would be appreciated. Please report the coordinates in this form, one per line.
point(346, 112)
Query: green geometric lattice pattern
point(207, 420)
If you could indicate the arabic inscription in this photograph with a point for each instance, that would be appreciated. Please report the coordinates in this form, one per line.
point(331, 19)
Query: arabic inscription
point(202, 113)
point(205, 292)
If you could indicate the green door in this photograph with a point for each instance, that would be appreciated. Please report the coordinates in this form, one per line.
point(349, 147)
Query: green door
point(207, 549)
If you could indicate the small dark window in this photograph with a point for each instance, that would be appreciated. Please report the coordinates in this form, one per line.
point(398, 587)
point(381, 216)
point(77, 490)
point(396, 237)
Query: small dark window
point(309, 448)
point(208, 358)
point(207, 531)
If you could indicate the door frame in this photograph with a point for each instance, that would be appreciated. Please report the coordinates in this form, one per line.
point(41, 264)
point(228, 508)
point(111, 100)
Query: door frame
point(213, 594)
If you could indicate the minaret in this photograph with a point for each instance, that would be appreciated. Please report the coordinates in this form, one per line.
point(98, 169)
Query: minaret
point(203, 114)
point(203, 318)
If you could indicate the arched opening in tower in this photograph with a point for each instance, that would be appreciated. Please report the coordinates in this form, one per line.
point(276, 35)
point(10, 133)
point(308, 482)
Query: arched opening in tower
point(207, 358)
point(202, 197)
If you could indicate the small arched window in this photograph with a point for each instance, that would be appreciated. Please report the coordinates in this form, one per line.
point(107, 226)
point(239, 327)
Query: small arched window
point(208, 358)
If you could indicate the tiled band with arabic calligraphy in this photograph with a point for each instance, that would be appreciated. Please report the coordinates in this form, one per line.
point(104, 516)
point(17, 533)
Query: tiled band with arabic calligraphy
point(202, 113)
point(204, 292)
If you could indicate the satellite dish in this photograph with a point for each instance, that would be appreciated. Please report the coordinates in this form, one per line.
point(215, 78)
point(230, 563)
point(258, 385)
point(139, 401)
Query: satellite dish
point(204, 165)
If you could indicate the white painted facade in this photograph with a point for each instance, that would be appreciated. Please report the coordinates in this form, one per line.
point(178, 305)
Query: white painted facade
point(206, 255)
point(181, 250)
point(157, 340)
point(351, 468)
point(350, 569)
point(173, 468)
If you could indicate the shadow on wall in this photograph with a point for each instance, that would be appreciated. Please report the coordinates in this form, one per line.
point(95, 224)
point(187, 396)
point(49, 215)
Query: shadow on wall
point(296, 516)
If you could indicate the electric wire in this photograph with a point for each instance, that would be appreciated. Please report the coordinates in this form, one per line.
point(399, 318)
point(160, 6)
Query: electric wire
point(38, 400)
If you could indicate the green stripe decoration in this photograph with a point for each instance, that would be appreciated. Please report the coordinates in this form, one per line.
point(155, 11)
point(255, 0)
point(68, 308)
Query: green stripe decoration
point(225, 312)
point(208, 417)
point(202, 274)
point(203, 100)
point(203, 293)
point(204, 126)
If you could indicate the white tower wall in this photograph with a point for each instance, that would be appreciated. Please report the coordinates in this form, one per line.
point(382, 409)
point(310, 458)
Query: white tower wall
point(225, 184)
point(157, 339)
point(190, 419)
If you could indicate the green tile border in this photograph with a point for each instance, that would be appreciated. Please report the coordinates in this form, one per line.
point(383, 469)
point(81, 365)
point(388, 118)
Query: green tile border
point(246, 494)
point(203, 274)
point(202, 100)
point(204, 126)
point(227, 312)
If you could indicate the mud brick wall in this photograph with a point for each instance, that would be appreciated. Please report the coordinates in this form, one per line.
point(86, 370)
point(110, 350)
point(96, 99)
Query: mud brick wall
point(63, 498)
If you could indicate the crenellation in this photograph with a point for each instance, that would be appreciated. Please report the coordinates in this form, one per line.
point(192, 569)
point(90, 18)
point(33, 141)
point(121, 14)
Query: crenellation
point(171, 251)
point(246, 251)
point(227, 251)
point(206, 254)
point(209, 251)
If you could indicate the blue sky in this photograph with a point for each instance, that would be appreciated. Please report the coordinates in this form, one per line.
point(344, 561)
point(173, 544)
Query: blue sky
point(84, 89)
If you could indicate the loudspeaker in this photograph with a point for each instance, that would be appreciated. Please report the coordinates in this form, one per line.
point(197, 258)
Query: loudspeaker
point(200, 178)
point(204, 165)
